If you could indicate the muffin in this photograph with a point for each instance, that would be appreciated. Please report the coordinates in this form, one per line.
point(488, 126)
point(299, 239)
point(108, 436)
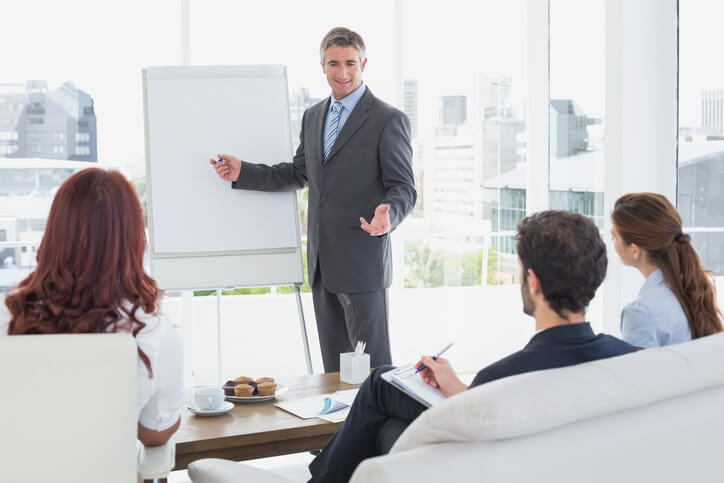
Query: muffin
point(228, 388)
point(243, 380)
point(267, 388)
point(265, 379)
point(254, 385)
point(243, 390)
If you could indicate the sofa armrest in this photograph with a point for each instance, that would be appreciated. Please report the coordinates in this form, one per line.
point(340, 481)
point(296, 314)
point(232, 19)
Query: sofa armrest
point(215, 470)
point(439, 462)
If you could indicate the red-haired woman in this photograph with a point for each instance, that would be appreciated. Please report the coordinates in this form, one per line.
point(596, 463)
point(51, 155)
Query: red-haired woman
point(677, 302)
point(90, 278)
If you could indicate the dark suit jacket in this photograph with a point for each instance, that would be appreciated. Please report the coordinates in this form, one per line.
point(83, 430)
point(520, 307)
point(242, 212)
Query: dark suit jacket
point(564, 345)
point(370, 163)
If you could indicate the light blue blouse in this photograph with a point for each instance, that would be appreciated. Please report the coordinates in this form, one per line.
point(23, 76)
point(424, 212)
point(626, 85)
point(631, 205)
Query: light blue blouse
point(656, 317)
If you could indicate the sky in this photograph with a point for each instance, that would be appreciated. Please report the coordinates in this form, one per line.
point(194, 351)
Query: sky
point(701, 39)
point(102, 47)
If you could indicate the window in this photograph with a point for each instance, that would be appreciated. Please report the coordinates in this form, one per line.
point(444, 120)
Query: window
point(8, 135)
point(576, 107)
point(42, 102)
point(468, 119)
point(458, 69)
point(701, 130)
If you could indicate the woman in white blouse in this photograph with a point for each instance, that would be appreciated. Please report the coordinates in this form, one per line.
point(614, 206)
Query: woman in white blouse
point(90, 278)
point(677, 302)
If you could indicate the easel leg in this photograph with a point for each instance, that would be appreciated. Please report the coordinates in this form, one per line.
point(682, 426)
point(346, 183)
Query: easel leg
point(305, 339)
point(218, 334)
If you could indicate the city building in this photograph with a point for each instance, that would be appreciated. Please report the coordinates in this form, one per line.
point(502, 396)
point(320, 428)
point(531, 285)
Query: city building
point(700, 199)
point(27, 188)
point(453, 176)
point(38, 123)
point(409, 105)
point(495, 95)
point(501, 151)
point(452, 113)
point(299, 101)
point(712, 111)
point(568, 128)
point(576, 175)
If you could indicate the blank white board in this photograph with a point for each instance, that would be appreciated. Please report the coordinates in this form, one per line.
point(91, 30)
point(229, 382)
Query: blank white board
point(203, 233)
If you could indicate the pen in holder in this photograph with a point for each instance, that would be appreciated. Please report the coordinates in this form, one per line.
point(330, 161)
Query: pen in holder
point(353, 369)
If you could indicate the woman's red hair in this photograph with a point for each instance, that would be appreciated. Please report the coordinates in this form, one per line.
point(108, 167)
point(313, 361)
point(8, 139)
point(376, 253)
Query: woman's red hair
point(90, 275)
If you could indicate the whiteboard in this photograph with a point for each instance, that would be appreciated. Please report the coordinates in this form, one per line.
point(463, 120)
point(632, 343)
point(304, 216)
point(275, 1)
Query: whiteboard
point(202, 233)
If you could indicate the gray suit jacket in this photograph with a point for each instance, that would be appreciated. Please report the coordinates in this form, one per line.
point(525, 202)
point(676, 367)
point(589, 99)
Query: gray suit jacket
point(370, 163)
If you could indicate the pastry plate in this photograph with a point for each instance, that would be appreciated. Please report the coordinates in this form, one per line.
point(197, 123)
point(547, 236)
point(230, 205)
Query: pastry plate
point(225, 408)
point(281, 389)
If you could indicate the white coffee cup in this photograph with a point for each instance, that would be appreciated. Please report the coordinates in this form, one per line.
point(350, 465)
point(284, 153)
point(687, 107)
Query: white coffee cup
point(208, 397)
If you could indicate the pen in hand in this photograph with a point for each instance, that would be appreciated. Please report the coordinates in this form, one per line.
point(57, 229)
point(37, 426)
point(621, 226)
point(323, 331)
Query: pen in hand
point(439, 353)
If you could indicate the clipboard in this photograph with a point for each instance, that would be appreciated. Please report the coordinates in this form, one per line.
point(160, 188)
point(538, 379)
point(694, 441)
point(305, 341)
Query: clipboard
point(405, 379)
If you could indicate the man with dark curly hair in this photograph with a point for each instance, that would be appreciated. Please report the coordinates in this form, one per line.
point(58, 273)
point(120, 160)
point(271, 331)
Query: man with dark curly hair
point(563, 261)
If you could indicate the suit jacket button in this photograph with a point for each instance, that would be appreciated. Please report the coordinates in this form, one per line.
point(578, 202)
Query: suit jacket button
point(322, 199)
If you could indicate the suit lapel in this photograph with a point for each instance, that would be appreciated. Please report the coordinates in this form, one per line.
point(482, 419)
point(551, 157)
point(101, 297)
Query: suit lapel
point(319, 126)
point(358, 117)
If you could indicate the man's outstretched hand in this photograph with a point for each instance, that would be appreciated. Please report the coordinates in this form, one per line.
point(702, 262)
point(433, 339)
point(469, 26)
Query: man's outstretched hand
point(228, 169)
point(380, 224)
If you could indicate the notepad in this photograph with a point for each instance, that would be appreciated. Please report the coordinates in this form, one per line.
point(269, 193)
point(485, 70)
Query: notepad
point(412, 384)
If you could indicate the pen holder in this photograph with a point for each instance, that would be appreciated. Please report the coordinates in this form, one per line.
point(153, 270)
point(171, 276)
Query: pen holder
point(353, 369)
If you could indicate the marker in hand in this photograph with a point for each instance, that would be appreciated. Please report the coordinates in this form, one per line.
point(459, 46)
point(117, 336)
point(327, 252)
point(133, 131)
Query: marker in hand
point(434, 358)
point(219, 160)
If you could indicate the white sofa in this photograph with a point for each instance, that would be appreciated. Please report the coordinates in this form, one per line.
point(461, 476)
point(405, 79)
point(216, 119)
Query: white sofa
point(655, 415)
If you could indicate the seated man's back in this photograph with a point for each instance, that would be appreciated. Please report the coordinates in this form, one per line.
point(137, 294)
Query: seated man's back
point(563, 261)
point(560, 346)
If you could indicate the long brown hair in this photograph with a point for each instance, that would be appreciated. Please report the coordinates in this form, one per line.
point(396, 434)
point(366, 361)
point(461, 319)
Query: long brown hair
point(650, 221)
point(90, 263)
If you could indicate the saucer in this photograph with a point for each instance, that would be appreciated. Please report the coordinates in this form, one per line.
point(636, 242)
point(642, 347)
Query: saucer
point(225, 408)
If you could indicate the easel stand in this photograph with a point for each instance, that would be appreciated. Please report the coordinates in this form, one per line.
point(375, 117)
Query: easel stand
point(302, 326)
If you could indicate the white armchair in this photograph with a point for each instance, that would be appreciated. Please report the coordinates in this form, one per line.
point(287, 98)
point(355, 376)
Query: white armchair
point(68, 410)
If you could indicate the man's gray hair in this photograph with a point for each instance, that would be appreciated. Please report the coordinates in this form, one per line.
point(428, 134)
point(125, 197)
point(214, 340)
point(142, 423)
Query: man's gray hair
point(342, 37)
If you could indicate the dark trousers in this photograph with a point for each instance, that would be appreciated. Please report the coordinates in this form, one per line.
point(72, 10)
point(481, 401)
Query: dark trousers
point(345, 318)
point(377, 402)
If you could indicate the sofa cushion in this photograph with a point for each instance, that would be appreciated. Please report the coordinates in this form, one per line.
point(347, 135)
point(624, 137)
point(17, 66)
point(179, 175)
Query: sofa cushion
point(538, 401)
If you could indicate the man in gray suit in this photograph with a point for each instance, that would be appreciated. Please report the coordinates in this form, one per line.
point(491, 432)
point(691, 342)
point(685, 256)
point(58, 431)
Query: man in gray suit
point(355, 155)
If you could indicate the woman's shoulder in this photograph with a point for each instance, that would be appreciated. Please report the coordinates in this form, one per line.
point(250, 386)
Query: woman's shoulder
point(660, 299)
point(637, 308)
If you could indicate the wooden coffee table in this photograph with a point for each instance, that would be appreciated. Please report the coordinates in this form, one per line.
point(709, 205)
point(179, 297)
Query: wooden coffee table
point(258, 430)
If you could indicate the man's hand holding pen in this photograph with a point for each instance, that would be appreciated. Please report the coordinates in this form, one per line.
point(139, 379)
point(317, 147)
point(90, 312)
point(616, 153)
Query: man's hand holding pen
point(438, 373)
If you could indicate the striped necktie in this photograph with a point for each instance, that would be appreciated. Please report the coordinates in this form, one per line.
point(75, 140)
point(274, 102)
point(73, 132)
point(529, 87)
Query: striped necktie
point(333, 128)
